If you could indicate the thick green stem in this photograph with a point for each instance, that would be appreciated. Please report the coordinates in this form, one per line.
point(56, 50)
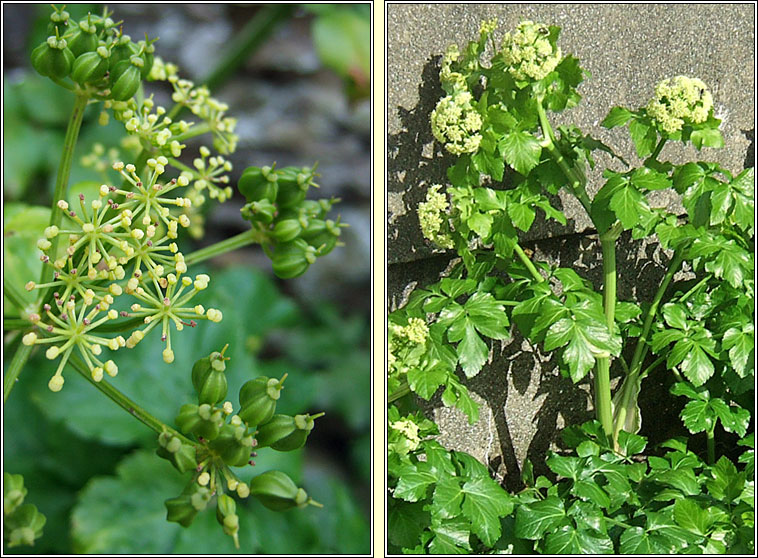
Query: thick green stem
point(56, 217)
point(528, 263)
point(654, 155)
point(403, 390)
point(125, 403)
point(14, 295)
point(629, 389)
point(246, 238)
point(61, 181)
point(576, 181)
point(603, 408)
point(14, 368)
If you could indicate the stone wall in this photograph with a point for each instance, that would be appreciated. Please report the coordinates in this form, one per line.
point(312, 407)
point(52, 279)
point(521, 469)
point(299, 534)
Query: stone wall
point(627, 50)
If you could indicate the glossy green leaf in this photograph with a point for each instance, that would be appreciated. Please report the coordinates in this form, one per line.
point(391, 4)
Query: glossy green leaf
point(618, 116)
point(568, 540)
point(413, 484)
point(643, 136)
point(629, 205)
point(448, 496)
point(405, 522)
point(426, 382)
point(534, 520)
point(451, 536)
point(484, 504)
point(521, 150)
point(727, 483)
point(733, 418)
point(740, 342)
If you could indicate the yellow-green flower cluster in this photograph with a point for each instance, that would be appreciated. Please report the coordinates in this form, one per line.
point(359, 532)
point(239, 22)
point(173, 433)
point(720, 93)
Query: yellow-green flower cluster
point(680, 101)
point(416, 331)
point(104, 237)
point(488, 26)
point(432, 215)
point(451, 80)
point(528, 52)
point(455, 123)
point(153, 127)
point(405, 437)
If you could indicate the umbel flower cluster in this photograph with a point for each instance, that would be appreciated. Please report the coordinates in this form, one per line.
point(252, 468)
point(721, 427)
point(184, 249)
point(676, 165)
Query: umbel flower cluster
point(680, 101)
point(529, 53)
point(121, 252)
point(94, 58)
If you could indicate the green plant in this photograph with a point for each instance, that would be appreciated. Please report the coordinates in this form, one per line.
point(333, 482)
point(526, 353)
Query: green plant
point(113, 276)
point(609, 496)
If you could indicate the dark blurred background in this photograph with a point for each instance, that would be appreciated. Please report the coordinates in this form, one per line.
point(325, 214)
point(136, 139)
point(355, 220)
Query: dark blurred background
point(302, 97)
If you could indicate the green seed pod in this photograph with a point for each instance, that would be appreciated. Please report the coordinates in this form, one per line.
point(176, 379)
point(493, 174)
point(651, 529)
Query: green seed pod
point(292, 259)
point(122, 50)
point(262, 211)
point(258, 184)
point(14, 492)
point(233, 444)
point(90, 67)
point(278, 428)
point(293, 185)
point(182, 456)
point(209, 379)
point(258, 399)
point(24, 525)
point(325, 241)
point(59, 22)
point(147, 50)
point(277, 491)
point(84, 38)
point(303, 424)
point(287, 230)
point(202, 420)
point(180, 510)
point(53, 58)
point(126, 84)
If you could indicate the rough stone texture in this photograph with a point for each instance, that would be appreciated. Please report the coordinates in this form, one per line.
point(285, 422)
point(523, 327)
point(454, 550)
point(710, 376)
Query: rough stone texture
point(627, 49)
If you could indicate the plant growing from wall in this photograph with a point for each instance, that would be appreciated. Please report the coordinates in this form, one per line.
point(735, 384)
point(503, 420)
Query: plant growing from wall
point(607, 495)
point(114, 270)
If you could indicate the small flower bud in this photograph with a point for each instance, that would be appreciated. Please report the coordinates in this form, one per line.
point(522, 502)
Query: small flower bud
point(111, 369)
point(243, 490)
point(97, 373)
point(214, 315)
point(29, 339)
point(30, 286)
point(55, 383)
point(168, 355)
point(204, 479)
point(52, 353)
point(51, 231)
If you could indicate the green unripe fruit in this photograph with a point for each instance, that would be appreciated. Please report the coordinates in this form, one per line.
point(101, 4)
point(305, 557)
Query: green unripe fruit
point(209, 379)
point(90, 67)
point(262, 211)
point(24, 525)
point(53, 58)
point(233, 444)
point(202, 420)
point(122, 51)
point(180, 510)
point(296, 439)
point(277, 491)
point(182, 456)
point(14, 492)
point(126, 84)
point(148, 56)
point(292, 259)
point(287, 230)
point(285, 433)
point(258, 399)
point(84, 39)
point(325, 241)
point(293, 185)
point(258, 184)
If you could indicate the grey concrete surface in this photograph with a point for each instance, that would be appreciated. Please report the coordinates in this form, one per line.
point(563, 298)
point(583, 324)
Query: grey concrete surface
point(627, 49)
